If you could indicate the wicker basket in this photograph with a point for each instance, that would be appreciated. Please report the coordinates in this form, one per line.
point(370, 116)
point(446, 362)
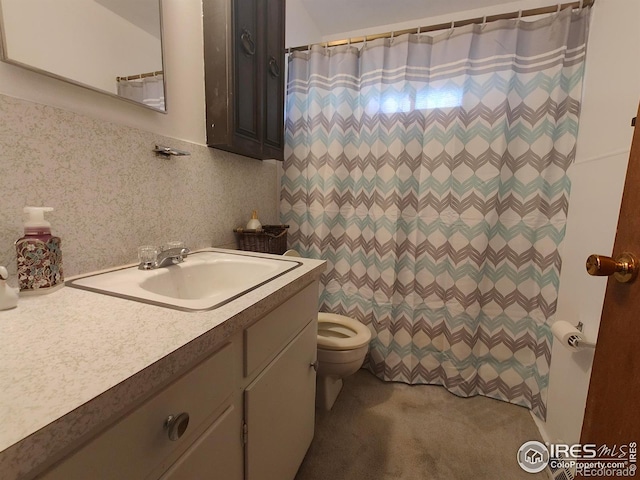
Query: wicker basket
point(269, 239)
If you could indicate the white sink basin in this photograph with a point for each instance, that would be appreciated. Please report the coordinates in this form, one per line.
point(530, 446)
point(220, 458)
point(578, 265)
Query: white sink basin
point(204, 281)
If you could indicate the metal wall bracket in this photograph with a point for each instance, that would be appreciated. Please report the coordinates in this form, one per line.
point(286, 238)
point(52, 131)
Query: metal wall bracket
point(169, 151)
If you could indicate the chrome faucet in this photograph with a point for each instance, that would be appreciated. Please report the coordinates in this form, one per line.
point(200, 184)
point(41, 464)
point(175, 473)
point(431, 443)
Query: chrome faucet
point(171, 256)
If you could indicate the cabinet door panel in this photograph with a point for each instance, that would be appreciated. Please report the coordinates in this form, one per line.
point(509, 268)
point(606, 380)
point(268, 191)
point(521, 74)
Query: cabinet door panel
point(216, 455)
point(244, 76)
point(264, 339)
point(280, 409)
point(248, 50)
point(273, 141)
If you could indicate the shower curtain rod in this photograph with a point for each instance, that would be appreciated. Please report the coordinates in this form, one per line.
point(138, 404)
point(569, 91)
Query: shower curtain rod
point(444, 26)
point(139, 76)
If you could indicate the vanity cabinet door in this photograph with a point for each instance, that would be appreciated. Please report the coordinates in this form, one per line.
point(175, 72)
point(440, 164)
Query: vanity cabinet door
point(280, 410)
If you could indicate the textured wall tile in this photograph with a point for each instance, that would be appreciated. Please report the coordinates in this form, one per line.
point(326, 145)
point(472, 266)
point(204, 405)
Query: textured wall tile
point(111, 193)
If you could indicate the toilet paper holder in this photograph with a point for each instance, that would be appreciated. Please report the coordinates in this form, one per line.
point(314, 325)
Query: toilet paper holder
point(578, 342)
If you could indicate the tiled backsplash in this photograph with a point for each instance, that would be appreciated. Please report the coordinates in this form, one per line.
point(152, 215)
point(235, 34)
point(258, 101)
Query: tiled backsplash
point(111, 193)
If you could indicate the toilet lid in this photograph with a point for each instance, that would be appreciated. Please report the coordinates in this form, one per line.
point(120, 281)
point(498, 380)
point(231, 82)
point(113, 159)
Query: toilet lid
point(337, 332)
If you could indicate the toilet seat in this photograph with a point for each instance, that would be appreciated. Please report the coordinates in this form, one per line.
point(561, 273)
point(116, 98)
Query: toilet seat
point(337, 332)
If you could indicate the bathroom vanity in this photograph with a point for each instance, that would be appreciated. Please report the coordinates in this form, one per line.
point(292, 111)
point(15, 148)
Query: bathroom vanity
point(142, 391)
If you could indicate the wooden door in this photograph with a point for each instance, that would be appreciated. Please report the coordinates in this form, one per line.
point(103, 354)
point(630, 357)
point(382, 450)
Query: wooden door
point(248, 53)
point(273, 140)
point(611, 415)
point(244, 76)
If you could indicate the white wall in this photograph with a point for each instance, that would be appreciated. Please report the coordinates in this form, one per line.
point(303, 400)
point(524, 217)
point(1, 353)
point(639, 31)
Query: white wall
point(184, 67)
point(611, 94)
point(301, 29)
point(463, 15)
point(612, 91)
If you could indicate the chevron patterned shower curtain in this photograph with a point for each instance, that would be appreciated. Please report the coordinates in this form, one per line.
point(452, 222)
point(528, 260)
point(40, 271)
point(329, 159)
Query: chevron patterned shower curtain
point(430, 173)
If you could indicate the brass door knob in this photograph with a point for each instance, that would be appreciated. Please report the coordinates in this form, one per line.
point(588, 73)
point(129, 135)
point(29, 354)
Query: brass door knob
point(624, 268)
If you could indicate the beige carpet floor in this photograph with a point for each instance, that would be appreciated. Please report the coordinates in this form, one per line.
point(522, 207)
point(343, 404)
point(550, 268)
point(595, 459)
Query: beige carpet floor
point(382, 431)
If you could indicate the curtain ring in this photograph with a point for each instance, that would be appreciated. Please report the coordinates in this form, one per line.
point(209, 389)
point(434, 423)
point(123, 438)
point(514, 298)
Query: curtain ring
point(484, 21)
point(309, 48)
point(559, 7)
point(419, 28)
point(581, 4)
point(289, 51)
point(453, 25)
point(519, 15)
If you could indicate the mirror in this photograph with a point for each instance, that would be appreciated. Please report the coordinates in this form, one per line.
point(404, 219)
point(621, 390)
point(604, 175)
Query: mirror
point(111, 46)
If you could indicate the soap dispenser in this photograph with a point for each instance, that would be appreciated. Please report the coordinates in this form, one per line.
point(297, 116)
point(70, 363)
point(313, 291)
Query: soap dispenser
point(8, 296)
point(39, 255)
point(254, 223)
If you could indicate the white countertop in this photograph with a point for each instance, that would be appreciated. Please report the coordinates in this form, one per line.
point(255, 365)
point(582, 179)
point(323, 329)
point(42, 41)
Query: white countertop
point(71, 361)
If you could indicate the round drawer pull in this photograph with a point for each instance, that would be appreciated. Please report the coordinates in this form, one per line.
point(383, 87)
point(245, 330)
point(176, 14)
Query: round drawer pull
point(176, 425)
point(315, 365)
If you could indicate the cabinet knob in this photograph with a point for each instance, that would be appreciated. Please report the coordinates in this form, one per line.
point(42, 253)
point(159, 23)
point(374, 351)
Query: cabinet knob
point(315, 365)
point(176, 425)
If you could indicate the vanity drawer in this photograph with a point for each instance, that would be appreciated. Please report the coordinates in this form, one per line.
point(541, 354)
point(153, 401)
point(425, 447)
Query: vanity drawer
point(268, 336)
point(139, 443)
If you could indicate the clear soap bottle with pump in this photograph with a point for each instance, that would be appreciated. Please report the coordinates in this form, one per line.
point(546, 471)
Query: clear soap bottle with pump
point(39, 255)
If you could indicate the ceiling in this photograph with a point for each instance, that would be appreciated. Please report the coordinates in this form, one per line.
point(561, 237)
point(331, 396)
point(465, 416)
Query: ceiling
point(143, 13)
point(339, 16)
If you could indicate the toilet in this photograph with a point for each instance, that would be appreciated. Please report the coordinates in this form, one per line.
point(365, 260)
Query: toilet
point(342, 345)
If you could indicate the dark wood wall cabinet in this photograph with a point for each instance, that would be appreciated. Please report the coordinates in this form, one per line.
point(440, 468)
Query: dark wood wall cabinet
point(244, 76)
